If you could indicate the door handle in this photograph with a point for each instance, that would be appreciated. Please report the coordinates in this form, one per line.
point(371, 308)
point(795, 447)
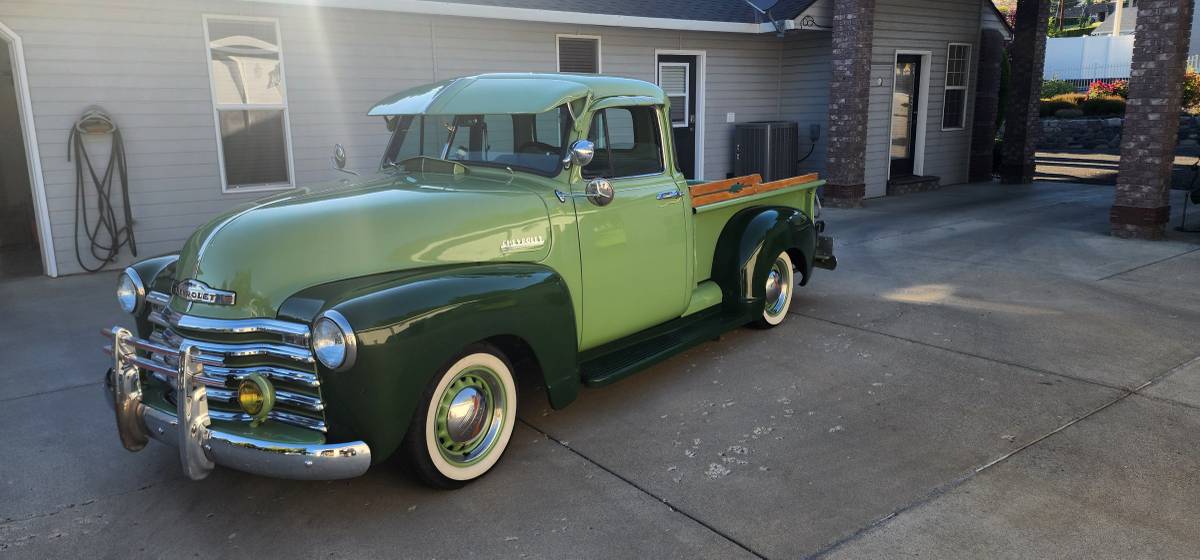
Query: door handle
point(669, 195)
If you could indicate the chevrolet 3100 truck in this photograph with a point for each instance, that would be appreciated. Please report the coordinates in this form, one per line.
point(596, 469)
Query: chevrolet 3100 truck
point(519, 225)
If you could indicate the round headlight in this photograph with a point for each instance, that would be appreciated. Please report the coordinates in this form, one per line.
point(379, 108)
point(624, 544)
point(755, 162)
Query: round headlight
point(333, 341)
point(130, 291)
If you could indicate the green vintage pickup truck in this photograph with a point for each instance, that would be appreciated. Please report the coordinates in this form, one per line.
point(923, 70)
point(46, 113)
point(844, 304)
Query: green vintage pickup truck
point(519, 225)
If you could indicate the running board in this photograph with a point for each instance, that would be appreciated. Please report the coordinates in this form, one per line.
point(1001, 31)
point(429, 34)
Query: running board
point(618, 360)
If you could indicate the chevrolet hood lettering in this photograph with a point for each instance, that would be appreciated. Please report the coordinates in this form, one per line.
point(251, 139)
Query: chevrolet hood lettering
point(199, 292)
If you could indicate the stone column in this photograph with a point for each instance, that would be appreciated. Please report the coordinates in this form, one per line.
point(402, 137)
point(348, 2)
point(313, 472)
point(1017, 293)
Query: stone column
point(849, 101)
point(1022, 126)
point(1142, 205)
point(987, 105)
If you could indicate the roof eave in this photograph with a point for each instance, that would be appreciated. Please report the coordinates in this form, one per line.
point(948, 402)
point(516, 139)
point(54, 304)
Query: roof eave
point(429, 7)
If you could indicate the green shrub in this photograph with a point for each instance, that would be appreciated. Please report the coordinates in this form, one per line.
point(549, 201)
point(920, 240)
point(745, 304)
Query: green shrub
point(1050, 107)
point(1074, 98)
point(1061, 102)
point(1051, 88)
point(1103, 106)
point(1191, 91)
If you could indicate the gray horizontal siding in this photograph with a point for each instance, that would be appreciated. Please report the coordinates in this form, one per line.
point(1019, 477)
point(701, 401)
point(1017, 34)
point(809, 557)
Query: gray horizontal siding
point(805, 91)
point(922, 25)
point(145, 62)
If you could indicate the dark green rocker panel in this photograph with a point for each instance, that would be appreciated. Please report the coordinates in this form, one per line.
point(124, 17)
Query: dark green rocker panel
point(410, 324)
point(747, 248)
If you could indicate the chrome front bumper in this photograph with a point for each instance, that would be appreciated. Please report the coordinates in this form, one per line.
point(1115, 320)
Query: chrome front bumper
point(200, 446)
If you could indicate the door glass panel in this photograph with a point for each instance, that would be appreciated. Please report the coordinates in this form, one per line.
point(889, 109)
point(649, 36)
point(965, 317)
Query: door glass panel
point(903, 109)
point(628, 143)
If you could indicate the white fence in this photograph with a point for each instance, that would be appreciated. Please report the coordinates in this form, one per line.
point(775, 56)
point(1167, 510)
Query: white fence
point(1088, 58)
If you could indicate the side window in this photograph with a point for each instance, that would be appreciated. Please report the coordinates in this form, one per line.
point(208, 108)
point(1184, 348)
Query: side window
point(628, 143)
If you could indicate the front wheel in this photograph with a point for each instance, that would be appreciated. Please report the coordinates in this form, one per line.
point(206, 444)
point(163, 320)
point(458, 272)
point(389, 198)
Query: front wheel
point(777, 298)
point(465, 420)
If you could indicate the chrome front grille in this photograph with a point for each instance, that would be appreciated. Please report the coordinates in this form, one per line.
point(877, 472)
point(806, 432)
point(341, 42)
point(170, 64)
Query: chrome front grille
point(230, 350)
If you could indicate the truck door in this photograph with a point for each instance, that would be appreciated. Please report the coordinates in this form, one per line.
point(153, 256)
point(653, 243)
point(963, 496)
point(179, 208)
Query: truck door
point(633, 250)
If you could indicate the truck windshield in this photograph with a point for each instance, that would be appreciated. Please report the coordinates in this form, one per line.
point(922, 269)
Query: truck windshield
point(528, 142)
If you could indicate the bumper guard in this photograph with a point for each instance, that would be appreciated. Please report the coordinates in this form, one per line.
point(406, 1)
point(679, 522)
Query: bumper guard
point(200, 446)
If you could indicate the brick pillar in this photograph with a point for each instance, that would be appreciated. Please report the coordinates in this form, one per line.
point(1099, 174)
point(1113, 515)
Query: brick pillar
point(1142, 205)
point(1022, 126)
point(849, 99)
point(987, 105)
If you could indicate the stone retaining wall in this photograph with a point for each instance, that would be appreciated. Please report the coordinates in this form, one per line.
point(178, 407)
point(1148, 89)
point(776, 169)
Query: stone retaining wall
point(1103, 134)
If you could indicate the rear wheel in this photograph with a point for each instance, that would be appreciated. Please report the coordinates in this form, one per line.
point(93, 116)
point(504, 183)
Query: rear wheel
point(777, 298)
point(465, 420)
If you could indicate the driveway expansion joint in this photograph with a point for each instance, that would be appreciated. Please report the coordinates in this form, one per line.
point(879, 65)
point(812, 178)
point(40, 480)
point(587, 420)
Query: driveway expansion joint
point(943, 489)
point(645, 491)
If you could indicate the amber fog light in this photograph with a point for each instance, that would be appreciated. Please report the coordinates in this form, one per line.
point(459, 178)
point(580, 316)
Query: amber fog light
point(256, 396)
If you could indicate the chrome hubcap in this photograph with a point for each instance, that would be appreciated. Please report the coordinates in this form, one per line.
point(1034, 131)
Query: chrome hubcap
point(779, 287)
point(470, 416)
point(467, 415)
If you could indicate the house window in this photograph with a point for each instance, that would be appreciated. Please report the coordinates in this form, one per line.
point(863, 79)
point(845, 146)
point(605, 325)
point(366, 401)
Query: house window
point(249, 103)
point(958, 75)
point(674, 79)
point(579, 54)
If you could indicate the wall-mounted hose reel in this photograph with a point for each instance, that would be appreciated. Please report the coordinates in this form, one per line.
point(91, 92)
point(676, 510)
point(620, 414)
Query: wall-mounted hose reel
point(110, 231)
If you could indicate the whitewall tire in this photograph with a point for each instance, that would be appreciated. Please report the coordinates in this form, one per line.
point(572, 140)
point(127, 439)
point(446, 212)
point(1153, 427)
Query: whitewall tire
point(777, 299)
point(465, 421)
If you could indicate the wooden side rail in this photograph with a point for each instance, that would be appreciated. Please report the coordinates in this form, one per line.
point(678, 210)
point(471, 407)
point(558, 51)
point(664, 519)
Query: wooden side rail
point(738, 187)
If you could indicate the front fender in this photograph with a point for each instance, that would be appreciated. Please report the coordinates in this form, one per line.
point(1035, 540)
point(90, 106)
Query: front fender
point(409, 325)
point(747, 248)
point(156, 274)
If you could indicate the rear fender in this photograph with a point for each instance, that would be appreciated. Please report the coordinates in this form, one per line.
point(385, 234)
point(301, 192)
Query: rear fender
point(748, 246)
point(409, 326)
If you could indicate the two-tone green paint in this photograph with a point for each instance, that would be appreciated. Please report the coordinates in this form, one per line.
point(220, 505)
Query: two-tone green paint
point(417, 262)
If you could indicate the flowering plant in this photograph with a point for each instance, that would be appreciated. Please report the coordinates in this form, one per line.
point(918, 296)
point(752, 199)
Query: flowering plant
point(1115, 88)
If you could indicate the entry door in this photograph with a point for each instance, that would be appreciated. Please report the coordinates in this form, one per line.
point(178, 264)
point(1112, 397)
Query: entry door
point(677, 75)
point(632, 250)
point(905, 102)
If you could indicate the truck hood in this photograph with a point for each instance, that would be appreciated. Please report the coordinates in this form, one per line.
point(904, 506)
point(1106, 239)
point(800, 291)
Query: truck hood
point(268, 250)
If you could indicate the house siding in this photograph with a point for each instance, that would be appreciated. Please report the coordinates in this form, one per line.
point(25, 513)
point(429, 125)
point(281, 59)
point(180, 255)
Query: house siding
point(145, 63)
point(805, 91)
point(921, 25)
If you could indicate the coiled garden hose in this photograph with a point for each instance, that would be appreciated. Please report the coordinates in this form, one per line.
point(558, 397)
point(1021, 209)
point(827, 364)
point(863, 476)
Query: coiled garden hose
point(107, 235)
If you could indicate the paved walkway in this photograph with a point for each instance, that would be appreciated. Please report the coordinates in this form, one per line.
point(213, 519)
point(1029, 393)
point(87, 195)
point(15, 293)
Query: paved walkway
point(987, 375)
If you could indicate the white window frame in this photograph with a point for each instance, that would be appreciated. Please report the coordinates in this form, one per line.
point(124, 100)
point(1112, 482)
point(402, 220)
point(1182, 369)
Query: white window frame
point(964, 87)
point(217, 107)
point(558, 50)
point(687, 93)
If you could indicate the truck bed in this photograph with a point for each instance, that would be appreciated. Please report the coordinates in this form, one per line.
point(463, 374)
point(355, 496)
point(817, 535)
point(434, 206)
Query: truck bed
point(714, 203)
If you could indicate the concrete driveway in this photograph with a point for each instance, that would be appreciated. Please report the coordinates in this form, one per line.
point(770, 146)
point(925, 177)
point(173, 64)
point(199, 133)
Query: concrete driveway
point(988, 374)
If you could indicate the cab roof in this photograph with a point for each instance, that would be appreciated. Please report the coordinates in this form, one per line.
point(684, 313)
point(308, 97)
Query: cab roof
point(509, 94)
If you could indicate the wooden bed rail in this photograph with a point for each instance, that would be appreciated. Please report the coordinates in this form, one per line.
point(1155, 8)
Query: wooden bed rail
point(737, 187)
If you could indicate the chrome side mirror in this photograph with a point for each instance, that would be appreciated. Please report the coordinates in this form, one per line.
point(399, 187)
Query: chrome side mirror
point(582, 152)
point(600, 192)
point(339, 159)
